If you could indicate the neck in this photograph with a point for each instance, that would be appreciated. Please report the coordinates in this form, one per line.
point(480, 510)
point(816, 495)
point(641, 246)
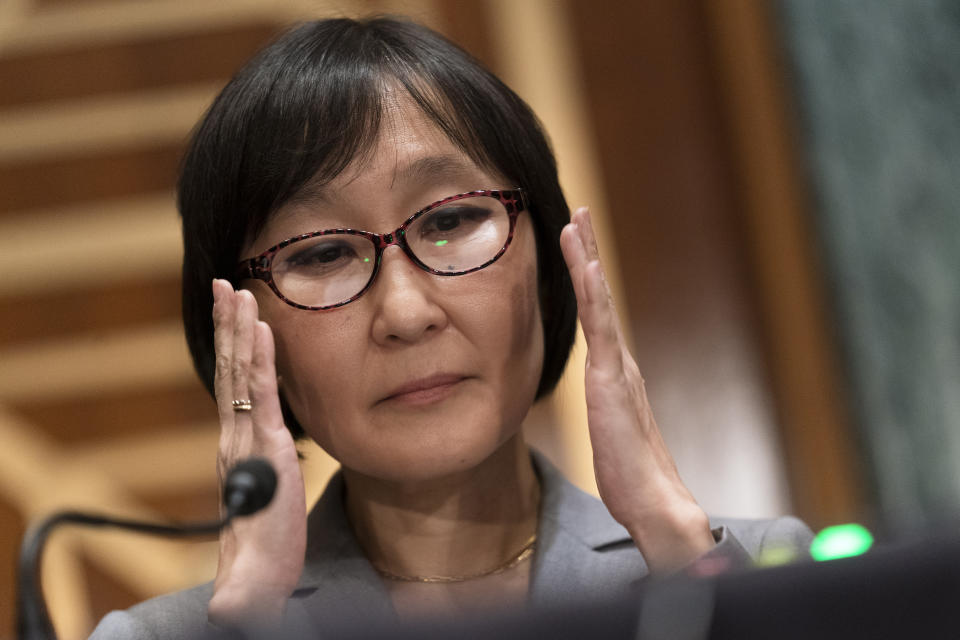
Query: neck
point(460, 524)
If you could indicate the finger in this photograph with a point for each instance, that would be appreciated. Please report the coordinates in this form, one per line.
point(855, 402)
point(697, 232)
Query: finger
point(598, 317)
point(588, 239)
point(584, 223)
point(595, 306)
point(224, 312)
point(574, 251)
point(585, 248)
point(242, 356)
point(264, 395)
point(576, 258)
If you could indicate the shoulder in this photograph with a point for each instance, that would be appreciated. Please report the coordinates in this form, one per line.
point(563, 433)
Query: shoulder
point(771, 535)
point(586, 517)
point(177, 615)
point(574, 523)
point(582, 552)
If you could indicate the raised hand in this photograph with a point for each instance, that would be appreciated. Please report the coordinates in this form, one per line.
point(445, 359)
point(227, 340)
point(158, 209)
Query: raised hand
point(636, 476)
point(261, 556)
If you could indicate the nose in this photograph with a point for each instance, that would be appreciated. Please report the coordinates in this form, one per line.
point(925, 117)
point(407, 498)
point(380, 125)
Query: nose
point(407, 306)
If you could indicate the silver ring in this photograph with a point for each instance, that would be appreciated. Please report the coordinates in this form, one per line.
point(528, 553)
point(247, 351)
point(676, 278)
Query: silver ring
point(242, 405)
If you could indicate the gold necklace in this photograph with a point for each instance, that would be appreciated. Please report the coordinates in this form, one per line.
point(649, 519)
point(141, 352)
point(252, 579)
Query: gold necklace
point(528, 548)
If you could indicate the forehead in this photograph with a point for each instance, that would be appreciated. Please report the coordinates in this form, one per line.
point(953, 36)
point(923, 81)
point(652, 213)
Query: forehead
point(411, 164)
point(410, 148)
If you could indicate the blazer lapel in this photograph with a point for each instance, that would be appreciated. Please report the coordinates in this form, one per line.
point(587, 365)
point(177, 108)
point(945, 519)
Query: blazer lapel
point(339, 586)
point(582, 552)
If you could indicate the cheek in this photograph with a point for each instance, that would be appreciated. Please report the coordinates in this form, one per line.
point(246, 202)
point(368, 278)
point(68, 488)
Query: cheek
point(309, 346)
point(283, 324)
point(519, 336)
point(526, 336)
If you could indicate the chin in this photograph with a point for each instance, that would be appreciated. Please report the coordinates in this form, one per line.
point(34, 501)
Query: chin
point(429, 451)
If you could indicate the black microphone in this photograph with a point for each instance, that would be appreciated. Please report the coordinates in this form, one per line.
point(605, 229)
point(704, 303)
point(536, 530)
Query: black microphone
point(249, 487)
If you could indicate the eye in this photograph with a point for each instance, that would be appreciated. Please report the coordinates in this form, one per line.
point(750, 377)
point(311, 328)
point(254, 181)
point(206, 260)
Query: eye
point(446, 221)
point(453, 221)
point(323, 256)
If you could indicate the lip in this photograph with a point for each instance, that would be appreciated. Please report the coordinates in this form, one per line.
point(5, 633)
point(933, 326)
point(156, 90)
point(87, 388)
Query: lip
point(425, 390)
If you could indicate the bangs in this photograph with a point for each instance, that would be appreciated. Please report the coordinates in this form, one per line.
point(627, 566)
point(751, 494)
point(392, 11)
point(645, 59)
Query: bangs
point(317, 117)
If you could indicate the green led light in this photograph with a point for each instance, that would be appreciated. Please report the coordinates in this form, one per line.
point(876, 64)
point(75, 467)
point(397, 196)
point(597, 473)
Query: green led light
point(777, 556)
point(841, 541)
point(366, 259)
point(440, 243)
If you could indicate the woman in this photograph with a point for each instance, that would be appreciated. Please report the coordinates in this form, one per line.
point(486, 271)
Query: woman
point(411, 352)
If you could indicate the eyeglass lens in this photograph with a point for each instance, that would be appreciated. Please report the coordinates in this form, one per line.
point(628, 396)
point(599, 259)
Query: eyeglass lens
point(330, 269)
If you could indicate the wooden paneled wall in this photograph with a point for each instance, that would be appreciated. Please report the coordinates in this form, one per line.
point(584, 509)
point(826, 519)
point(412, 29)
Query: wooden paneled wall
point(98, 404)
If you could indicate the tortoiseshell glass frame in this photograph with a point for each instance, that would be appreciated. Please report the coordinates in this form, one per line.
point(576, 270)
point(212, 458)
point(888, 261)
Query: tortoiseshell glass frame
point(259, 267)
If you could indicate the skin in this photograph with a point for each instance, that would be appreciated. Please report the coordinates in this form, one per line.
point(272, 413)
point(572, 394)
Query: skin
point(439, 481)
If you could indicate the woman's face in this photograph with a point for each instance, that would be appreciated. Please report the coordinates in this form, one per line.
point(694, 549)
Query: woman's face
point(423, 375)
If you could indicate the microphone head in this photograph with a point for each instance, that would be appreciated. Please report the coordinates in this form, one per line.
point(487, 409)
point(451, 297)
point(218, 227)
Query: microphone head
point(249, 487)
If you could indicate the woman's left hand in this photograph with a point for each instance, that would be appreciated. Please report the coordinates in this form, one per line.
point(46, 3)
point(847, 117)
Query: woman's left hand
point(636, 476)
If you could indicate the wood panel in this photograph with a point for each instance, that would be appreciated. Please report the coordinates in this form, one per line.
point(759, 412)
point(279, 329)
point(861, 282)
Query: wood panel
point(118, 305)
point(12, 527)
point(83, 71)
point(467, 22)
point(104, 592)
point(197, 504)
point(663, 162)
point(85, 178)
point(46, 4)
point(646, 70)
point(98, 397)
point(825, 466)
point(112, 414)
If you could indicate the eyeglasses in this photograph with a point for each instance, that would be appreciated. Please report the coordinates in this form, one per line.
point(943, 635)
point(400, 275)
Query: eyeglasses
point(330, 268)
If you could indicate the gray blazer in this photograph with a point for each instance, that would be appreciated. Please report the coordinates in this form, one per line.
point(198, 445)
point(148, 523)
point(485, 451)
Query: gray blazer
point(582, 552)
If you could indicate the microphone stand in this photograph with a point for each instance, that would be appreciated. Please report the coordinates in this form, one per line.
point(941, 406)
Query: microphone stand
point(249, 487)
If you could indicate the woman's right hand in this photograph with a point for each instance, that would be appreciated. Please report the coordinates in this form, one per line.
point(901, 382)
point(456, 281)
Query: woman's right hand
point(261, 556)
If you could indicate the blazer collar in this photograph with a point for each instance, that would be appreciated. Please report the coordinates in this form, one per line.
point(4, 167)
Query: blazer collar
point(338, 579)
point(566, 508)
point(574, 534)
point(338, 583)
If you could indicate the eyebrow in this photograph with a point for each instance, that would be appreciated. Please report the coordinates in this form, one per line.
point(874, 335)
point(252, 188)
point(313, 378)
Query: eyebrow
point(439, 167)
point(422, 170)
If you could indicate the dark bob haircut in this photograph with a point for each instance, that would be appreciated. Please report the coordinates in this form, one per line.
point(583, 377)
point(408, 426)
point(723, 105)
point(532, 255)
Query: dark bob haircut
point(310, 104)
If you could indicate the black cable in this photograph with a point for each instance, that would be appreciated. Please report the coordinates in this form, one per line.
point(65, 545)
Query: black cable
point(249, 487)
